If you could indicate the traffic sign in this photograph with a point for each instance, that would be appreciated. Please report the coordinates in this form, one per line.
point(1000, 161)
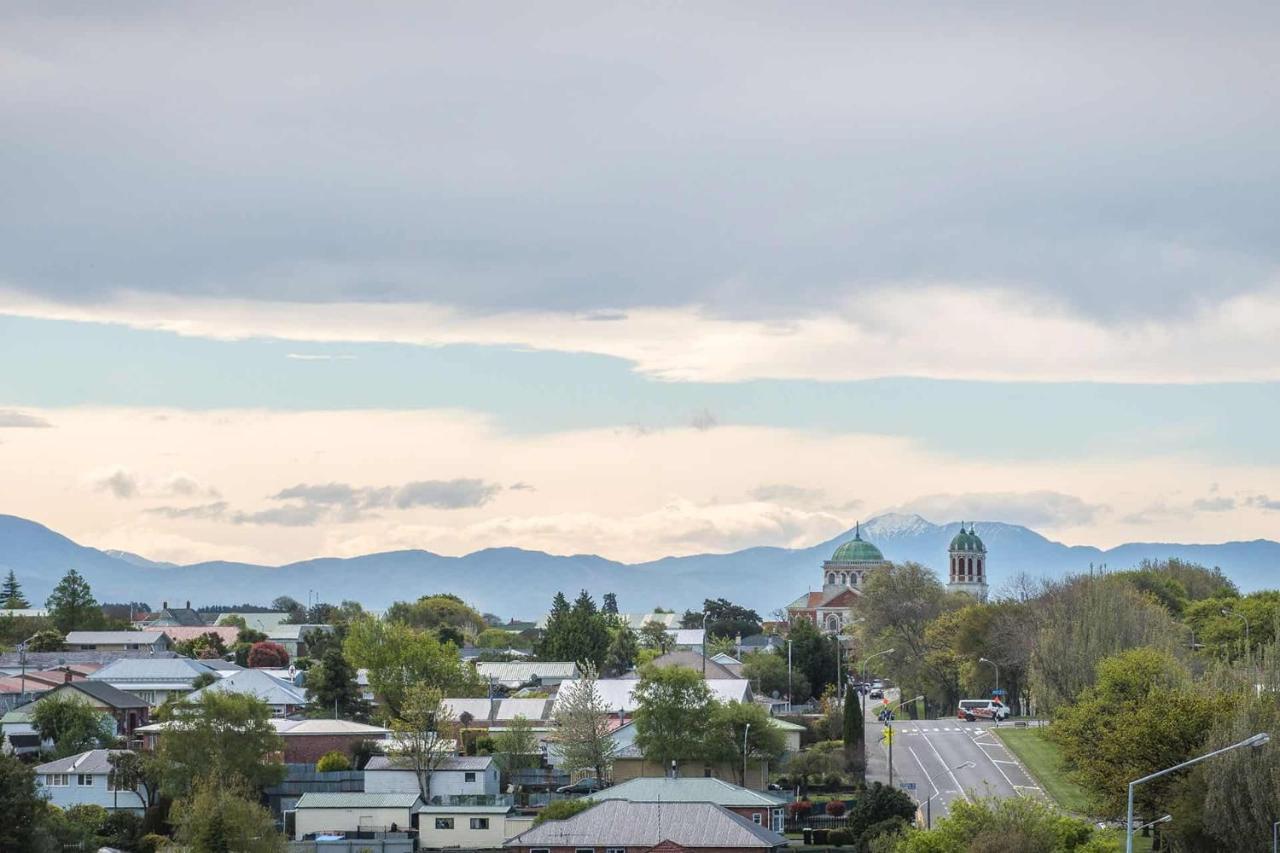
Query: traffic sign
point(908, 786)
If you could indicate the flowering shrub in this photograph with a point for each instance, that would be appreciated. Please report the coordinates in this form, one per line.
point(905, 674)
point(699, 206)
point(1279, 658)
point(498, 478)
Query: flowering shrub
point(800, 808)
point(835, 808)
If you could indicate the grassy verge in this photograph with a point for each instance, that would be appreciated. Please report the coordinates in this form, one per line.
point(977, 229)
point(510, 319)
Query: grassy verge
point(1043, 759)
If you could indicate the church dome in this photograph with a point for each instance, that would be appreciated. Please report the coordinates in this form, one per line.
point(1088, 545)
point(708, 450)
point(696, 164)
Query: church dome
point(857, 550)
point(967, 540)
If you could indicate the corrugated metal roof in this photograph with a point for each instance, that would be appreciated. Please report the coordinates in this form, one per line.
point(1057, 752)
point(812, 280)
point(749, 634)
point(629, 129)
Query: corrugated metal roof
point(93, 761)
point(469, 763)
point(313, 800)
point(150, 669)
point(617, 692)
point(266, 687)
point(522, 671)
point(685, 790)
point(619, 823)
point(78, 638)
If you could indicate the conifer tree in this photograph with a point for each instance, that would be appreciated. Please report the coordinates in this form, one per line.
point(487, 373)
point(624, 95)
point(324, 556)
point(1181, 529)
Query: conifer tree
point(623, 651)
point(72, 606)
point(609, 606)
point(11, 597)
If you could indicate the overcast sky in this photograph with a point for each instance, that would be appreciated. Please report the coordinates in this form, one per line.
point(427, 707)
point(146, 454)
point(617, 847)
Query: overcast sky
point(637, 279)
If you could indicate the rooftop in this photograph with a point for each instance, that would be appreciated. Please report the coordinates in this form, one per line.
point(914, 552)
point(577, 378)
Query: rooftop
point(685, 790)
point(111, 638)
point(313, 800)
point(266, 687)
point(93, 761)
point(469, 763)
point(857, 550)
point(617, 692)
point(150, 669)
point(620, 823)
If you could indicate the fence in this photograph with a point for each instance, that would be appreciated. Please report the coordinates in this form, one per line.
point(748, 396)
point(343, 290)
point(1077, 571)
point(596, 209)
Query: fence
point(817, 821)
point(370, 845)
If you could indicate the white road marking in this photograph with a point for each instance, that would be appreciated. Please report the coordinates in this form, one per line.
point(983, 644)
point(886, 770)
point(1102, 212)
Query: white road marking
point(1017, 789)
point(950, 772)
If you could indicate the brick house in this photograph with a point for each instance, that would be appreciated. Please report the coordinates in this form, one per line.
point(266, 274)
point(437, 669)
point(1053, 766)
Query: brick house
point(619, 826)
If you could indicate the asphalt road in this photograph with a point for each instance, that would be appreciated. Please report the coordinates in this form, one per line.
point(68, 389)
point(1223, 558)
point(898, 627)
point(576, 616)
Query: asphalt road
point(929, 753)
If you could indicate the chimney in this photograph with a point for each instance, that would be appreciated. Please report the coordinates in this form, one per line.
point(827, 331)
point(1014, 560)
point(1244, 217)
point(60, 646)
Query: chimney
point(66, 676)
point(188, 605)
point(164, 605)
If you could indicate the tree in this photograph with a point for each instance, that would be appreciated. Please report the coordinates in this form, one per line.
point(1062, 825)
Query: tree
point(45, 641)
point(582, 727)
point(654, 635)
point(579, 633)
point(131, 771)
point(737, 726)
point(288, 604)
point(609, 606)
point(332, 688)
point(767, 672)
point(397, 657)
point(728, 620)
point(623, 649)
point(333, 761)
point(1013, 825)
point(73, 725)
point(220, 816)
point(72, 606)
point(815, 762)
point(226, 735)
point(813, 655)
point(852, 733)
point(562, 810)
point(205, 647)
point(1142, 715)
point(11, 597)
point(20, 803)
point(877, 804)
point(268, 654)
point(202, 680)
point(673, 708)
point(517, 746)
point(437, 612)
point(422, 737)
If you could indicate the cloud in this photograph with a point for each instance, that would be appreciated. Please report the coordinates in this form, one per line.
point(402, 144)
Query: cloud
point(445, 494)
point(293, 515)
point(19, 420)
point(215, 510)
point(297, 356)
point(1219, 504)
point(312, 503)
point(185, 486)
point(1263, 502)
point(522, 487)
point(1033, 509)
point(788, 494)
point(119, 483)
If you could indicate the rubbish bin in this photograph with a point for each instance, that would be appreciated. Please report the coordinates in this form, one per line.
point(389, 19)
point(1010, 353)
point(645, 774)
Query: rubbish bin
point(808, 837)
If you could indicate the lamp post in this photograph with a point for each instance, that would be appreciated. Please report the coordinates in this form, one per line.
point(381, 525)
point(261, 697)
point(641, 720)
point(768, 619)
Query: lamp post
point(745, 732)
point(1254, 741)
point(928, 804)
point(1228, 612)
point(704, 645)
point(789, 694)
point(994, 664)
point(1275, 837)
point(888, 724)
point(863, 692)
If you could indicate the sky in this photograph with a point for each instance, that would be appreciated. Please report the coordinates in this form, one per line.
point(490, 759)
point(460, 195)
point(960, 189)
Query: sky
point(636, 279)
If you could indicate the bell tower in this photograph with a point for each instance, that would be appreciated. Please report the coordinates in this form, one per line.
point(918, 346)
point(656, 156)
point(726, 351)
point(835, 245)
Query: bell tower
point(967, 561)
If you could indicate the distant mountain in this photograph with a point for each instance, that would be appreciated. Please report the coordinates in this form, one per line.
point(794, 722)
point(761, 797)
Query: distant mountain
point(515, 582)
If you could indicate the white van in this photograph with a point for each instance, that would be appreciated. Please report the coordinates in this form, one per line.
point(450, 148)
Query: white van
point(981, 709)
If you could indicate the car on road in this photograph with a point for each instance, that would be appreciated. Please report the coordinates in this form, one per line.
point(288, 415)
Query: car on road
point(587, 785)
point(876, 693)
point(970, 710)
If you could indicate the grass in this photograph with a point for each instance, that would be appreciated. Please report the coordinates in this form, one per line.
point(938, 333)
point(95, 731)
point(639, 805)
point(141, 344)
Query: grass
point(1043, 760)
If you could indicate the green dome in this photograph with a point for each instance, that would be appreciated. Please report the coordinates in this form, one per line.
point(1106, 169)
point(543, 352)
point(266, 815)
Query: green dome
point(967, 540)
point(857, 550)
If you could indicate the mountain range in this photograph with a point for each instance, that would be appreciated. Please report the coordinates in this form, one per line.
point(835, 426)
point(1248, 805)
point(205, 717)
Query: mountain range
point(513, 582)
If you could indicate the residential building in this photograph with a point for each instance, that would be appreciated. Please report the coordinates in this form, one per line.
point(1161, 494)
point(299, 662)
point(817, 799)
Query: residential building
point(12, 663)
point(336, 813)
point(513, 675)
point(128, 711)
point(305, 741)
point(174, 617)
point(630, 763)
point(117, 641)
point(619, 692)
point(619, 826)
point(458, 778)
point(496, 714)
point(760, 808)
point(153, 680)
point(85, 779)
point(468, 827)
point(184, 633)
point(709, 667)
point(294, 638)
point(282, 697)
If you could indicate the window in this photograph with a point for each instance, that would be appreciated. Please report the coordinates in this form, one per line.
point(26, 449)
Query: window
point(755, 818)
point(84, 780)
point(615, 850)
point(468, 777)
point(444, 823)
point(479, 823)
point(539, 850)
point(56, 780)
point(584, 850)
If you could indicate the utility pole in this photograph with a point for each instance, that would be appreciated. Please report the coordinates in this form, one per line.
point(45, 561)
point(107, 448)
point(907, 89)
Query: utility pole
point(745, 732)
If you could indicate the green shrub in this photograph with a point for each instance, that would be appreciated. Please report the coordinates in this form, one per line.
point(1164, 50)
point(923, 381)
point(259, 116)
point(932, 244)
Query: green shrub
point(152, 843)
point(562, 809)
point(333, 761)
point(839, 837)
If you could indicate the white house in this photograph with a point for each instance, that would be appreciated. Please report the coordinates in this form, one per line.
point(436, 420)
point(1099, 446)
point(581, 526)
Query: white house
point(280, 695)
point(117, 641)
point(619, 693)
point(345, 813)
point(468, 827)
point(153, 680)
point(460, 776)
point(84, 779)
point(514, 674)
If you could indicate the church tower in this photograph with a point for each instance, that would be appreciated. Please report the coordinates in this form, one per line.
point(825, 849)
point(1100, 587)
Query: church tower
point(968, 564)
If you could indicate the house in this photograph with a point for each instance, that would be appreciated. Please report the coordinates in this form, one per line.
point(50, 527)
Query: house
point(619, 826)
point(12, 663)
point(630, 763)
point(16, 690)
point(18, 734)
point(496, 714)
point(759, 808)
point(468, 827)
point(85, 779)
point(619, 692)
point(128, 711)
point(338, 814)
point(174, 617)
point(282, 697)
point(516, 674)
point(709, 667)
point(183, 633)
point(153, 680)
point(117, 641)
point(729, 662)
point(305, 741)
point(790, 732)
point(459, 777)
point(294, 638)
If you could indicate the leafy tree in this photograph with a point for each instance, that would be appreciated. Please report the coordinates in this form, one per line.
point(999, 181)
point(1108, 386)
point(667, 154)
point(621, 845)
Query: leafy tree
point(45, 641)
point(557, 627)
point(72, 606)
point(397, 657)
point(1196, 581)
point(673, 708)
point(767, 672)
point(582, 727)
point(654, 635)
point(816, 762)
point(516, 747)
point(220, 816)
point(20, 803)
point(735, 726)
point(133, 771)
point(853, 733)
point(289, 604)
point(73, 725)
point(609, 606)
point(226, 735)
point(728, 620)
point(332, 688)
point(1013, 825)
point(813, 655)
point(205, 646)
point(423, 740)
point(11, 597)
point(1142, 715)
point(623, 650)
point(267, 654)
point(202, 680)
point(562, 810)
point(879, 803)
point(436, 612)
point(333, 761)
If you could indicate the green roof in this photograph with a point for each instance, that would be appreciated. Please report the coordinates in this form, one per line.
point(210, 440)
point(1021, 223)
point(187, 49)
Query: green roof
point(967, 540)
point(857, 550)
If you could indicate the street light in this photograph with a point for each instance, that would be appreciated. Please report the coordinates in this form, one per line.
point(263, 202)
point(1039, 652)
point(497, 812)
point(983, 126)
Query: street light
point(863, 692)
point(1228, 612)
point(790, 698)
point(1259, 739)
point(888, 724)
point(1275, 837)
point(1164, 819)
point(745, 732)
point(928, 804)
point(997, 666)
point(704, 645)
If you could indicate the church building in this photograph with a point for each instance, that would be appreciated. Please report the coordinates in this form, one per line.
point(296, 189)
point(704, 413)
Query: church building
point(967, 560)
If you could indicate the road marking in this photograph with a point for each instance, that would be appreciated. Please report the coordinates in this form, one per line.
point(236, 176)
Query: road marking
point(950, 772)
point(1017, 789)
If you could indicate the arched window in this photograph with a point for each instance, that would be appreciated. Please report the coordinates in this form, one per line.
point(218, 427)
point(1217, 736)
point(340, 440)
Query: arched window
point(833, 622)
point(844, 579)
point(831, 578)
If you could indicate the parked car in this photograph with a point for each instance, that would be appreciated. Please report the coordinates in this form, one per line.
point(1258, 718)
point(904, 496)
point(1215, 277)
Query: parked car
point(588, 785)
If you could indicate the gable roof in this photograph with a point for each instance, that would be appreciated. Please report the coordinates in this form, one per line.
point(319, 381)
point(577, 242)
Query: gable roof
point(663, 789)
point(181, 616)
point(322, 726)
point(619, 692)
point(181, 670)
point(313, 800)
point(110, 638)
point(694, 661)
point(93, 761)
point(44, 660)
point(518, 672)
point(182, 633)
point(620, 823)
point(268, 688)
point(104, 693)
point(500, 710)
point(457, 763)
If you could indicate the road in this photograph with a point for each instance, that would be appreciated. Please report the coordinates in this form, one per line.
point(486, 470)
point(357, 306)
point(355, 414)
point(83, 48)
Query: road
point(929, 753)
